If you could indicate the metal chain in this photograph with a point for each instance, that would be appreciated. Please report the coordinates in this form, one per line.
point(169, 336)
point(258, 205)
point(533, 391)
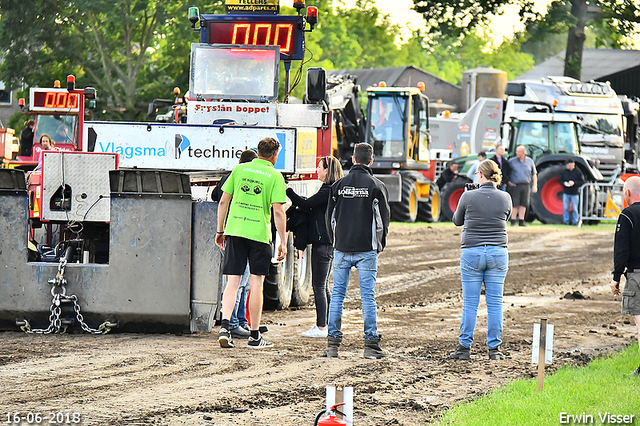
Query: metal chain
point(54, 319)
point(104, 328)
point(55, 323)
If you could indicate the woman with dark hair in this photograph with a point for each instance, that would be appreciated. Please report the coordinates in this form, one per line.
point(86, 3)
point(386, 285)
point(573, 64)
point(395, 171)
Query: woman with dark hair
point(329, 170)
point(484, 212)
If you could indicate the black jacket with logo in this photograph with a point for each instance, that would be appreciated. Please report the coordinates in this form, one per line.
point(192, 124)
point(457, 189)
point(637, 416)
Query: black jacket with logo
point(358, 212)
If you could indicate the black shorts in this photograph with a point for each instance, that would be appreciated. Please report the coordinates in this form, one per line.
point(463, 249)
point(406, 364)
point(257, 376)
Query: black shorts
point(239, 250)
point(520, 194)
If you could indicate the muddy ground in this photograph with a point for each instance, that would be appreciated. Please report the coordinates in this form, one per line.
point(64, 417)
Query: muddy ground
point(129, 379)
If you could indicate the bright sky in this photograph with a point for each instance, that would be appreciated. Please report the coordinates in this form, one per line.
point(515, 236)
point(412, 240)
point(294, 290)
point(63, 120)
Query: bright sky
point(401, 14)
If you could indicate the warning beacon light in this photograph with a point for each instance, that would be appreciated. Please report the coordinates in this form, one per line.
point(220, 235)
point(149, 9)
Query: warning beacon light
point(194, 16)
point(71, 83)
point(312, 16)
point(298, 5)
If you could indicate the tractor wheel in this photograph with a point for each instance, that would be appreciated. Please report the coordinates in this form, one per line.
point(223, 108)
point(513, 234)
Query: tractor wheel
point(451, 194)
point(429, 211)
point(547, 202)
point(301, 277)
point(407, 209)
point(278, 285)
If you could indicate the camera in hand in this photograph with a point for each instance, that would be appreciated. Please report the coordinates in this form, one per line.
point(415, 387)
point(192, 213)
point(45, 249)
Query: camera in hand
point(471, 186)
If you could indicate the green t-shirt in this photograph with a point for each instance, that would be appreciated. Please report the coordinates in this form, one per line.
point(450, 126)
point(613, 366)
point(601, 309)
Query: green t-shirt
point(254, 187)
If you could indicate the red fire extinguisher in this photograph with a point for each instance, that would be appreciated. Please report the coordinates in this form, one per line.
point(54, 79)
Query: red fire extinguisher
point(331, 419)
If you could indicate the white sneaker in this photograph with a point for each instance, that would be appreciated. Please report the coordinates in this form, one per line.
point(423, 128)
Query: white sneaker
point(315, 332)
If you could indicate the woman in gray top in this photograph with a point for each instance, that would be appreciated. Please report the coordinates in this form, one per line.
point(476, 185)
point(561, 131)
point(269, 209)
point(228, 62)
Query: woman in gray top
point(484, 212)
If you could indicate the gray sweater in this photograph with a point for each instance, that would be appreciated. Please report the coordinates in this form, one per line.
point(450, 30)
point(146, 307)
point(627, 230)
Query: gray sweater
point(484, 212)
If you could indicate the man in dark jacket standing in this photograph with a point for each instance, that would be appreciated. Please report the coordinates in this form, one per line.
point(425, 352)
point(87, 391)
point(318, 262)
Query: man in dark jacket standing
point(358, 222)
point(504, 166)
point(626, 256)
point(571, 181)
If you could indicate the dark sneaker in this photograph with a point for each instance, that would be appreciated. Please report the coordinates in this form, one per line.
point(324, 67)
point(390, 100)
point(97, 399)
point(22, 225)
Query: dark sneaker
point(240, 333)
point(460, 353)
point(224, 338)
point(513, 223)
point(259, 343)
point(522, 223)
point(636, 372)
point(495, 354)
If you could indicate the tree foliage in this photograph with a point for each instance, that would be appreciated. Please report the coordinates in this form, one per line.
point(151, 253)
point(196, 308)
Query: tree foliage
point(609, 20)
point(130, 50)
point(133, 51)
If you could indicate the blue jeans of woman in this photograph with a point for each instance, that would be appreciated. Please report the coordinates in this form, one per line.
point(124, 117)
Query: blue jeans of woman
point(367, 265)
point(488, 265)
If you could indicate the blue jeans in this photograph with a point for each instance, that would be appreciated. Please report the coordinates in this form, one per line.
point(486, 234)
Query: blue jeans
point(574, 200)
point(488, 264)
point(367, 265)
point(239, 314)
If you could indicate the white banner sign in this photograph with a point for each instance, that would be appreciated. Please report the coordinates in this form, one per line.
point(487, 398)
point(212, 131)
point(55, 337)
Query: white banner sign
point(184, 146)
point(242, 113)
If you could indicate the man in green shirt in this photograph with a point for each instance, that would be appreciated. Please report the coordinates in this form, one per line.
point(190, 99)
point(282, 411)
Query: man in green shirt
point(248, 195)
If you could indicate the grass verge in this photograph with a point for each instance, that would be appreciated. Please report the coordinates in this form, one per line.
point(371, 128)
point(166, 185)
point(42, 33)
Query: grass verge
point(603, 386)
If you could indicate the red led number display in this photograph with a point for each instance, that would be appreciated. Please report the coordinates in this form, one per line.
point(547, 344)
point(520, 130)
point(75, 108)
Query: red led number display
point(256, 34)
point(60, 100)
point(54, 100)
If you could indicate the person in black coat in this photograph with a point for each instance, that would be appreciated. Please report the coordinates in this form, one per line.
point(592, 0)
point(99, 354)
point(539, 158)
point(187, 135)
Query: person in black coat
point(571, 181)
point(329, 170)
point(26, 139)
point(503, 165)
point(449, 174)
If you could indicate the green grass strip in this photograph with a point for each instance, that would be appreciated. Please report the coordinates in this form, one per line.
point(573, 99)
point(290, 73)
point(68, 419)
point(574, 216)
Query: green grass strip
point(603, 386)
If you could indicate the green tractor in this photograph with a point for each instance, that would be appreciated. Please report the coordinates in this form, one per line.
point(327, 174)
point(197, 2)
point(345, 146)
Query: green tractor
point(550, 140)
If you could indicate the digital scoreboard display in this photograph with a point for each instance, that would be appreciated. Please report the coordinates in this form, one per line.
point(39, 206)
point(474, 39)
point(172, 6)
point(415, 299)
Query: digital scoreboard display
point(287, 32)
point(57, 100)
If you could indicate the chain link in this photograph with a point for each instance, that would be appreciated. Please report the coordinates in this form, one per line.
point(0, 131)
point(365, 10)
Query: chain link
point(55, 323)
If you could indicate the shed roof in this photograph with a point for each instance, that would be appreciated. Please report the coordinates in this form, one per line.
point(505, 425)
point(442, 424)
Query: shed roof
point(596, 64)
point(370, 76)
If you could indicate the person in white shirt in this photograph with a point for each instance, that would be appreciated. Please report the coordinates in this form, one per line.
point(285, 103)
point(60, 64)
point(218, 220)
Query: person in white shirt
point(471, 174)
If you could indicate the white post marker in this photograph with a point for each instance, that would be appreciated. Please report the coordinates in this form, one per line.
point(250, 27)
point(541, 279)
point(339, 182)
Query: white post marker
point(336, 396)
point(542, 348)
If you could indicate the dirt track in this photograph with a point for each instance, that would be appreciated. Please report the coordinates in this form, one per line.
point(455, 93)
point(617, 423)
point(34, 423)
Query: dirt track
point(126, 379)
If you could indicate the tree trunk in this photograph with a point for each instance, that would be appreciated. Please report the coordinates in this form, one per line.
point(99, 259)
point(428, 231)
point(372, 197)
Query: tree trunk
point(575, 41)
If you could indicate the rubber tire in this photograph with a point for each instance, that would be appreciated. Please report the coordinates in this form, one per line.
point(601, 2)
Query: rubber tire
point(302, 287)
point(429, 211)
point(546, 204)
point(278, 285)
point(407, 209)
point(451, 194)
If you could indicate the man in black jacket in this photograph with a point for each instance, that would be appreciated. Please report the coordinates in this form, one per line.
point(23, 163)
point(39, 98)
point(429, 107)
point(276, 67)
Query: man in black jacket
point(449, 174)
point(505, 168)
point(571, 181)
point(626, 256)
point(358, 222)
point(26, 139)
